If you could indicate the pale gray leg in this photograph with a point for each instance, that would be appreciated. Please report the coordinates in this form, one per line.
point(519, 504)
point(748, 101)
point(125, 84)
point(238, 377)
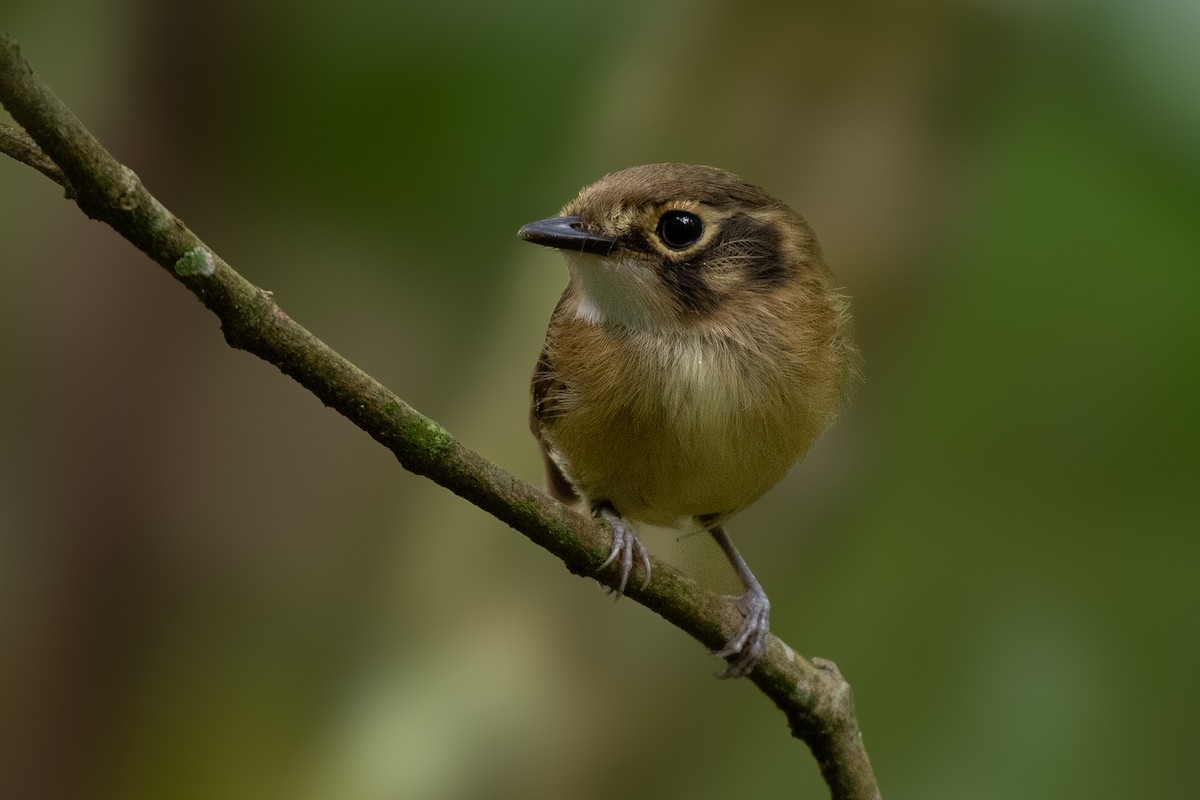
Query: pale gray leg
point(745, 648)
point(625, 546)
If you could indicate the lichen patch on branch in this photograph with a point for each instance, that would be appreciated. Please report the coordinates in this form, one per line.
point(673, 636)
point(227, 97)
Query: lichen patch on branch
point(197, 261)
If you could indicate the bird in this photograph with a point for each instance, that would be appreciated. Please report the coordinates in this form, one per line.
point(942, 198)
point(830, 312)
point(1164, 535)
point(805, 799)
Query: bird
point(700, 347)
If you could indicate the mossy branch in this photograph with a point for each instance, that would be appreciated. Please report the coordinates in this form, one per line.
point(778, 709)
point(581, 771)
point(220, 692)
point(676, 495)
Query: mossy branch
point(813, 695)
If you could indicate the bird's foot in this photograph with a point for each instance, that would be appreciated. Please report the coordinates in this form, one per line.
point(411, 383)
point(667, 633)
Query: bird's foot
point(625, 547)
point(747, 646)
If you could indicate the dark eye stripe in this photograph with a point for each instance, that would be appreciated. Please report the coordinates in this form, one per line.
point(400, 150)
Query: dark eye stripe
point(757, 245)
point(687, 283)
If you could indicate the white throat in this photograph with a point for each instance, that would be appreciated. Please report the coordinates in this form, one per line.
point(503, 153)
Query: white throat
point(617, 291)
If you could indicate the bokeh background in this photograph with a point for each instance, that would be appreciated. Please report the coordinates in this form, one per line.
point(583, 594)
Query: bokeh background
point(212, 586)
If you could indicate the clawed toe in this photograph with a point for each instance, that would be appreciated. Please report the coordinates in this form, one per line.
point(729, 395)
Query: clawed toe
point(748, 644)
point(625, 547)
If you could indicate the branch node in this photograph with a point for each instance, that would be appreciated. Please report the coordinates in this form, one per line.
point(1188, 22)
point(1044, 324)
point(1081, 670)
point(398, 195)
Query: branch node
point(128, 191)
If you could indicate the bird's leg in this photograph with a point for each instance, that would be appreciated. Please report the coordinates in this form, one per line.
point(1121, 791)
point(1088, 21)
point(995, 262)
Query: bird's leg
point(625, 546)
point(744, 649)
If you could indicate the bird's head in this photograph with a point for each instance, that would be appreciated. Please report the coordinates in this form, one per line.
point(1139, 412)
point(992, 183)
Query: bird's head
point(665, 247)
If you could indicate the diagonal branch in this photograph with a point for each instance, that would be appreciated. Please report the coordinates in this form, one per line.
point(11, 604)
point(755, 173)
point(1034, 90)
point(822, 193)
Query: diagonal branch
point(814, 696)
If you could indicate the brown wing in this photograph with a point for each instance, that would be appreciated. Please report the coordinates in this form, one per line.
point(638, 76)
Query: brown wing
point(545, 390)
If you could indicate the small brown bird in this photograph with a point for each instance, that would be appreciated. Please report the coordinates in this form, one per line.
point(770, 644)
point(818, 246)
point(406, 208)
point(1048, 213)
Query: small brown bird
point(699, 349)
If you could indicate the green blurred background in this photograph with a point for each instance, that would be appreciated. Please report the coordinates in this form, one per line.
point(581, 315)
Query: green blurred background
point(213, 586)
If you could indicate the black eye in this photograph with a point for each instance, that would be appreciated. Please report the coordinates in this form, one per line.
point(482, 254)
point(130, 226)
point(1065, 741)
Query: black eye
point(679, 229)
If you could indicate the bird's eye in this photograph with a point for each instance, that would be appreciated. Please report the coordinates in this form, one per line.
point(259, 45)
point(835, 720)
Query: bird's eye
point(679, 229)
